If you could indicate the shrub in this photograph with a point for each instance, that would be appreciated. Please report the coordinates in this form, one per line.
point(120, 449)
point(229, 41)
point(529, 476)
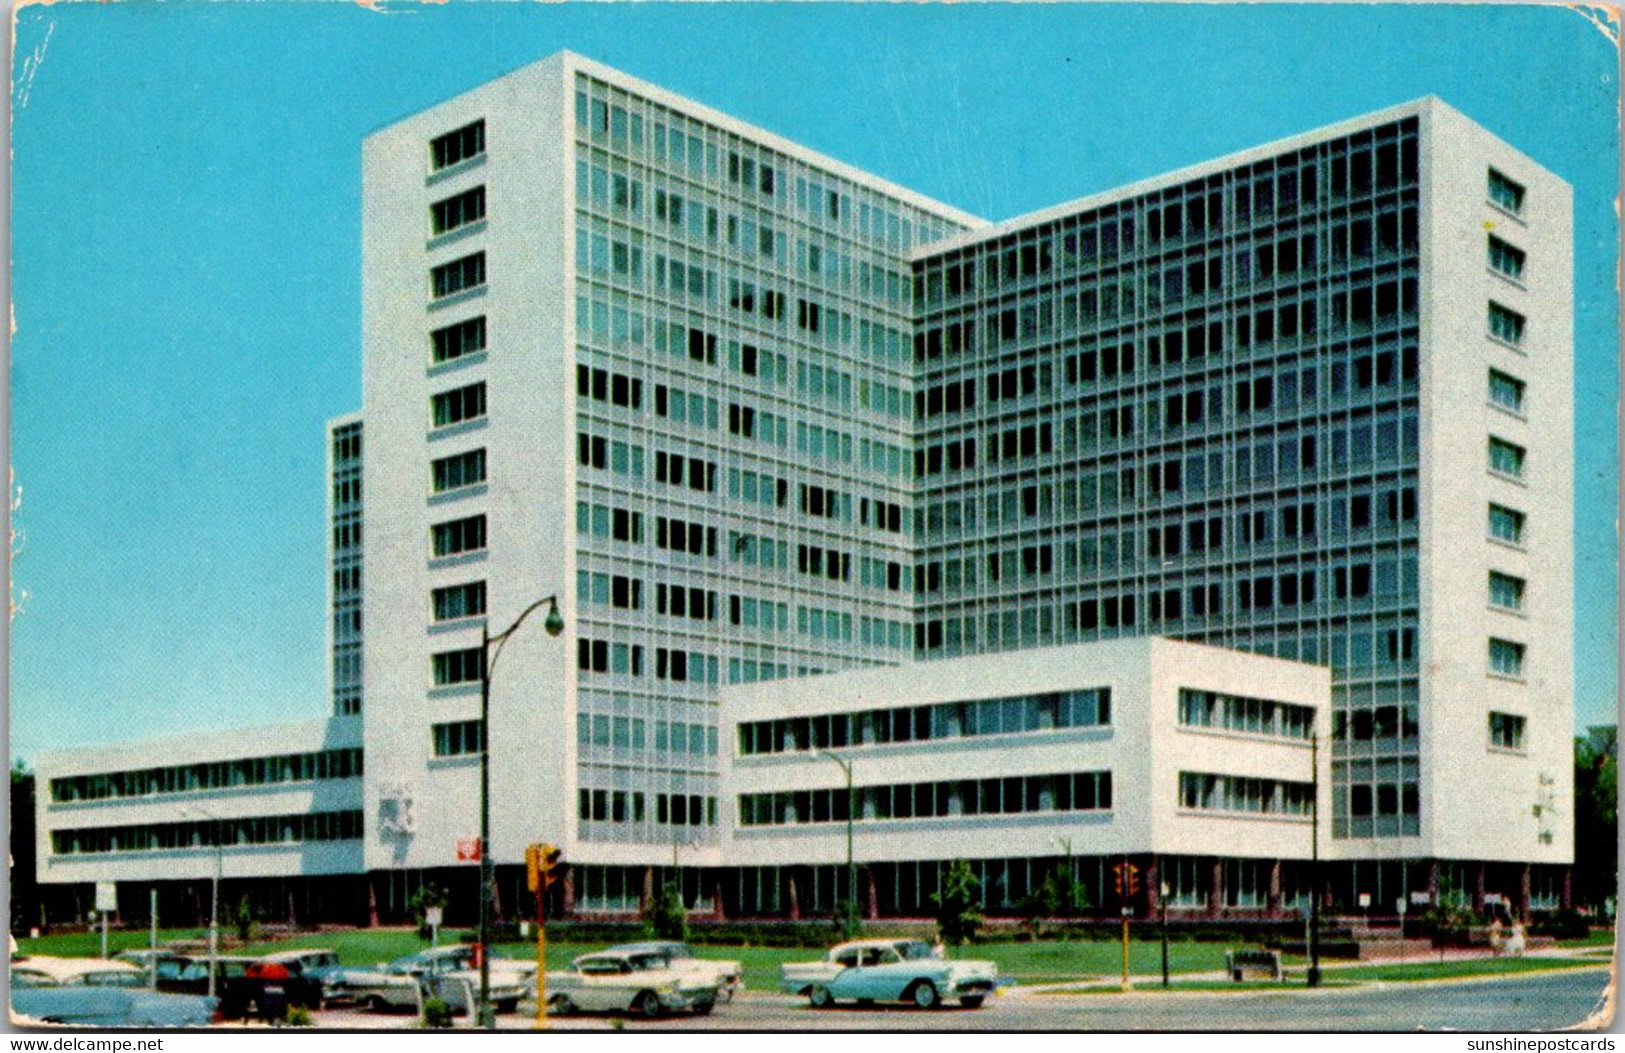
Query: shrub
point(244, 920)
point(299, 1016)
point(845, 922)
point(428, 895)
point(1561, 924)
point(959, 913)
point(436, 1013)
point(664, 916)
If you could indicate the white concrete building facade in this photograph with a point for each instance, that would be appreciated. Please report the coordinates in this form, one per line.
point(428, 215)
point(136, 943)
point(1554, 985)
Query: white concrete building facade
point(753, 415)
point(1085, 755)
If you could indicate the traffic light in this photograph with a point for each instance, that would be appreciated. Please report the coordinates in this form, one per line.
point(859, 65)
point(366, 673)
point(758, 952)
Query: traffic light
point(1126, 880)
point(543, 866)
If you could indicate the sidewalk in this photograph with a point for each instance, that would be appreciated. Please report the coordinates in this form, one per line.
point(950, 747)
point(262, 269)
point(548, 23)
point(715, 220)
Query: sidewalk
point(1153, 981)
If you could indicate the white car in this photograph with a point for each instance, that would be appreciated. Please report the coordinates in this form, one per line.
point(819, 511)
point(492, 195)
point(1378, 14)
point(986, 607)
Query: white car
point(890, 971)
point(445, 973)
point(99, 993)
point(728, 977)
point(621, 982)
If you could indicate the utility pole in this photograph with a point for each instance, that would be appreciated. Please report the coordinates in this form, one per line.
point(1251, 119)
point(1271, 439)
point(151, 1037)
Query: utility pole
point(1314, 861)
point(851, 866)
point(1162, 909)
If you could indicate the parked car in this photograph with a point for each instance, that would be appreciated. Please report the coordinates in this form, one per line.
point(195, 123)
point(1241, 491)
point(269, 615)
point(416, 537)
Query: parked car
point(315, 964)
point(727, 977)
point(247, 986)
point(160, 962)
point(629, 982)
point(99, 993)
point(890, 971)
point(443, 973)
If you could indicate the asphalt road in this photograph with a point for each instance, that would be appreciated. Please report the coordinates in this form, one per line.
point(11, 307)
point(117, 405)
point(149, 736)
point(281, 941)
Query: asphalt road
point(1542, 1002)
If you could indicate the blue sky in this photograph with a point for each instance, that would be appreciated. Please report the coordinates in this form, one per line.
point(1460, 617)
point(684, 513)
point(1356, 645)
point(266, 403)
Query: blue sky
point(186, 271)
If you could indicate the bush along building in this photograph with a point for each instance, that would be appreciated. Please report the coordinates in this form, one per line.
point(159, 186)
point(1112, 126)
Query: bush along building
point(1125, 530)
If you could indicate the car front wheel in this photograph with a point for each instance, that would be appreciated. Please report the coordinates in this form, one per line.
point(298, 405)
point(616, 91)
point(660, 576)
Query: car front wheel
point(819, 997)
point(560, 1005)
point(647, 1005)
point(925, 995)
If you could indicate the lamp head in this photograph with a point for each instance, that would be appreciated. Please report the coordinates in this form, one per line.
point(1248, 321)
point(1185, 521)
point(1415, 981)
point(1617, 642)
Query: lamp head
point(555, 621)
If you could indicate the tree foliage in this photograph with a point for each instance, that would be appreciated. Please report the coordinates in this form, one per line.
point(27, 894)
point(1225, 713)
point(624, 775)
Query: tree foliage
point(1059, 895)
point(427, 895)
point(959, 905)
point(1596, 817)
point(664, 916)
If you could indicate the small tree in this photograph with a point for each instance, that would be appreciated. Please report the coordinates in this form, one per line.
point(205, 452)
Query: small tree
point(664, 916)
point(428, 895)
point(245, 920)
point(959, 914)
point(845, 921)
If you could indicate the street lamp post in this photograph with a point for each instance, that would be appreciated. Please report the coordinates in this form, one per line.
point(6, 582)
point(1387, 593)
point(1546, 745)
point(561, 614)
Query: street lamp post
point(214, 896)
point(852, 923)
point(488, 660)
point(1314, 861)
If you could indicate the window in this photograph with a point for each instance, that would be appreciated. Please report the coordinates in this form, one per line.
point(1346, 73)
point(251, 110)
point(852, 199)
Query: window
point(1506, 324)
point(458, 146)
point(458, 405)
point(1506, 458)
point(1506, 731)
point(459, 601)
point(458, 667)
point(459, 738)
point(457, 211)
point(1506, 591)
point(1505, 192)
point(1506, 658)
point(459, 339)
point(460, 535)
point(1506, 391)
point(463, 469)
point(1506, 525)
point(1505, 259)
point(458, 275)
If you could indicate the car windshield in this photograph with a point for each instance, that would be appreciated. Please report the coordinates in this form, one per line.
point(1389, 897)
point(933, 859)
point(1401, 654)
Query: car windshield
point(601, 967)
point(915, 950)
point(113, 979)
point(24, 978)
point(646, 962)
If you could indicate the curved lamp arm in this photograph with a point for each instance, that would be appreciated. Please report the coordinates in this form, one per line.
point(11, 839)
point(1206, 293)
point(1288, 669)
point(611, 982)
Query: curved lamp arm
point(554, 626)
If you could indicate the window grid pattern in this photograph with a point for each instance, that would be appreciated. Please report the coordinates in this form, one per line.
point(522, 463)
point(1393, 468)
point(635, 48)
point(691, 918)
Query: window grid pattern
point(1231, 370)
point(742, 323)
point(344, 557)
point(189, 836)
point(1012, 795)
point(1017, 714)
point(210, 776)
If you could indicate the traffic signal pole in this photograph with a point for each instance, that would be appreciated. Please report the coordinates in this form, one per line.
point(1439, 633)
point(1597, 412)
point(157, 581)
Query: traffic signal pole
point(542, 867)
point(1127, 884)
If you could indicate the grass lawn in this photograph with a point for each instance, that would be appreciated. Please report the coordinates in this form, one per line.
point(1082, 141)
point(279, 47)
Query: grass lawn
point(1436, 970)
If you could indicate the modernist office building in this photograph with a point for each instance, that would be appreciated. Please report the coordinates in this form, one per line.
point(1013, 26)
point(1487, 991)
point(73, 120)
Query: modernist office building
point(754, 415)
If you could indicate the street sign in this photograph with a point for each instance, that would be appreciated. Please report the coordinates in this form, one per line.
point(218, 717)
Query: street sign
point(468, 850)
point(434, 916)
point(106, 896)
point(1421, 898)
point(1399, 905)
point(1365, 900)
